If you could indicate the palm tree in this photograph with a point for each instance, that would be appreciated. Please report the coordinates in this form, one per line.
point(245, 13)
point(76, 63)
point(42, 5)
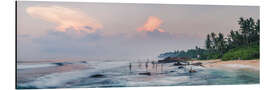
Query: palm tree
point(221, 43)
point(214, 41)
point(257, 30)
point(244, 29)
point(208, 42)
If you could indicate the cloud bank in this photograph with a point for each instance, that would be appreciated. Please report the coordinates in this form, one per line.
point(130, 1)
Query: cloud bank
point(65, 18)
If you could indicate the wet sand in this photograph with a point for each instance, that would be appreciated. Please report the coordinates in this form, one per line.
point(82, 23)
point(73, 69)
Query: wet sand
point(231, 64)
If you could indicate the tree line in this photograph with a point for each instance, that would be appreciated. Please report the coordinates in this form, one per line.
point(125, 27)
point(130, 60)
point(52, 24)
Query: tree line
point(238, 44)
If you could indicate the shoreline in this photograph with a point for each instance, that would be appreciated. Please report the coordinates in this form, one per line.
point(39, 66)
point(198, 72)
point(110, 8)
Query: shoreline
point(253, 65)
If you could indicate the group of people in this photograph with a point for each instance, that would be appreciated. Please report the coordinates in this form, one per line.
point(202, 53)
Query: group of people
point(154, 65)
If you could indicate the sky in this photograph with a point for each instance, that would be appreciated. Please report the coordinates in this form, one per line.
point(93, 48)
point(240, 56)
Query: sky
point(119, 30)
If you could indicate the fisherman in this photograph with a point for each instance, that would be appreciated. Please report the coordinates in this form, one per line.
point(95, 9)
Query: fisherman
point(156, 66)
point(161, 67)
point(146, 65)
point(140, 64)
point(153, 64)
point(130, 67)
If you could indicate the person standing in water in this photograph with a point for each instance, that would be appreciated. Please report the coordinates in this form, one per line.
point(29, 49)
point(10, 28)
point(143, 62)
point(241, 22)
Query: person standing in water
point(146, 66)
point(153, 64)
point(161, 67)
point(140, 65)
point(156, 67)
point(130, 66)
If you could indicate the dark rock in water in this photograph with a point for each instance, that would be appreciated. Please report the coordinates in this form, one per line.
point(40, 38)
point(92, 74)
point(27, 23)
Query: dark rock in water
point(192, 71)
point(177, 64)
point(180, 63)
point(97, 76)
point(180, 67)
point(61, 63)
point(146, 73)
point(172, 71)
point(174, 59)
point(83, 62)
point(197, 64)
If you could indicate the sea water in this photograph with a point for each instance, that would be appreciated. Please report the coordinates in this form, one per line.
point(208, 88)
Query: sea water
point(123, 73)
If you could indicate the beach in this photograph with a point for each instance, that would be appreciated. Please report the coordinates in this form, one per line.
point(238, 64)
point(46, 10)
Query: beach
point(231, 64)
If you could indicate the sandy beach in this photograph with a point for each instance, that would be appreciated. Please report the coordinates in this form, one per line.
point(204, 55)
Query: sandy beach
point(231, 64)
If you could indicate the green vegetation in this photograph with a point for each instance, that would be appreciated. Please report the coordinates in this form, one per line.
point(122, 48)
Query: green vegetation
point(245, 53)
point(240, 44)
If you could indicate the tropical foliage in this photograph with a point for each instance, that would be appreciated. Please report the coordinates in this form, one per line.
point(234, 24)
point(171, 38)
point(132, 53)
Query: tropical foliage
point(238, 44)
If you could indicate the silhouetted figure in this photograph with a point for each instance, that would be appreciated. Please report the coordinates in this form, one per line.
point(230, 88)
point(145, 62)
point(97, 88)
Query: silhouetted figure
point(146, 66)
point(140, 64)
point(153, 64)
point(130, 66)
point(156, 66)
point(161, 67)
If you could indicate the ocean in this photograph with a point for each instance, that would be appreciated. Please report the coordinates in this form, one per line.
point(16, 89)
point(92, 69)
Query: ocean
point(122, 73)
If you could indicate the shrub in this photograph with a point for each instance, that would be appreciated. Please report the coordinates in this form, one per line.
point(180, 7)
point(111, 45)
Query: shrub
point(243, 53)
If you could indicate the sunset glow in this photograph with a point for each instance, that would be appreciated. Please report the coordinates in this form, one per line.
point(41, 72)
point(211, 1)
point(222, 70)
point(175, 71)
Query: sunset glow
point(65, 18)
point(153, 23)
point(111, 45)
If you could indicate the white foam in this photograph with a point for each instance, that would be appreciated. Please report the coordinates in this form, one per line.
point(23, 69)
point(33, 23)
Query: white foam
point(240, 66)
point(159, 81)
point(29, 66)
point(58, 79)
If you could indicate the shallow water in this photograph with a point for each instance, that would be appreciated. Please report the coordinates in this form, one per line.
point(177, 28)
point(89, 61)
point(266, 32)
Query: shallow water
point(77, 74)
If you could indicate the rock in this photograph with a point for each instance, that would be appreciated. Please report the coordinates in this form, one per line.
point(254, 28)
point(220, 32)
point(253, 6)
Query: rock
point(174, 59)
point(146, 73)
point(61, 63)
point(177, 64)
point(180, 63)
point(197, 64)
point(192, 71)
point(97, 76)
point(180, 67)
point(83, 62)
point(172, 71)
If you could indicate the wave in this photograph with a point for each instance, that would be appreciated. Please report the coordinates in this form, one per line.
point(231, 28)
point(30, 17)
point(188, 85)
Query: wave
point(60, 79)
point(35, 66)
point(31, 66)
point(62, 63)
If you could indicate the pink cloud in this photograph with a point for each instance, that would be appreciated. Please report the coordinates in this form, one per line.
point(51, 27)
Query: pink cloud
point(65, 18)
point(152, 23)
